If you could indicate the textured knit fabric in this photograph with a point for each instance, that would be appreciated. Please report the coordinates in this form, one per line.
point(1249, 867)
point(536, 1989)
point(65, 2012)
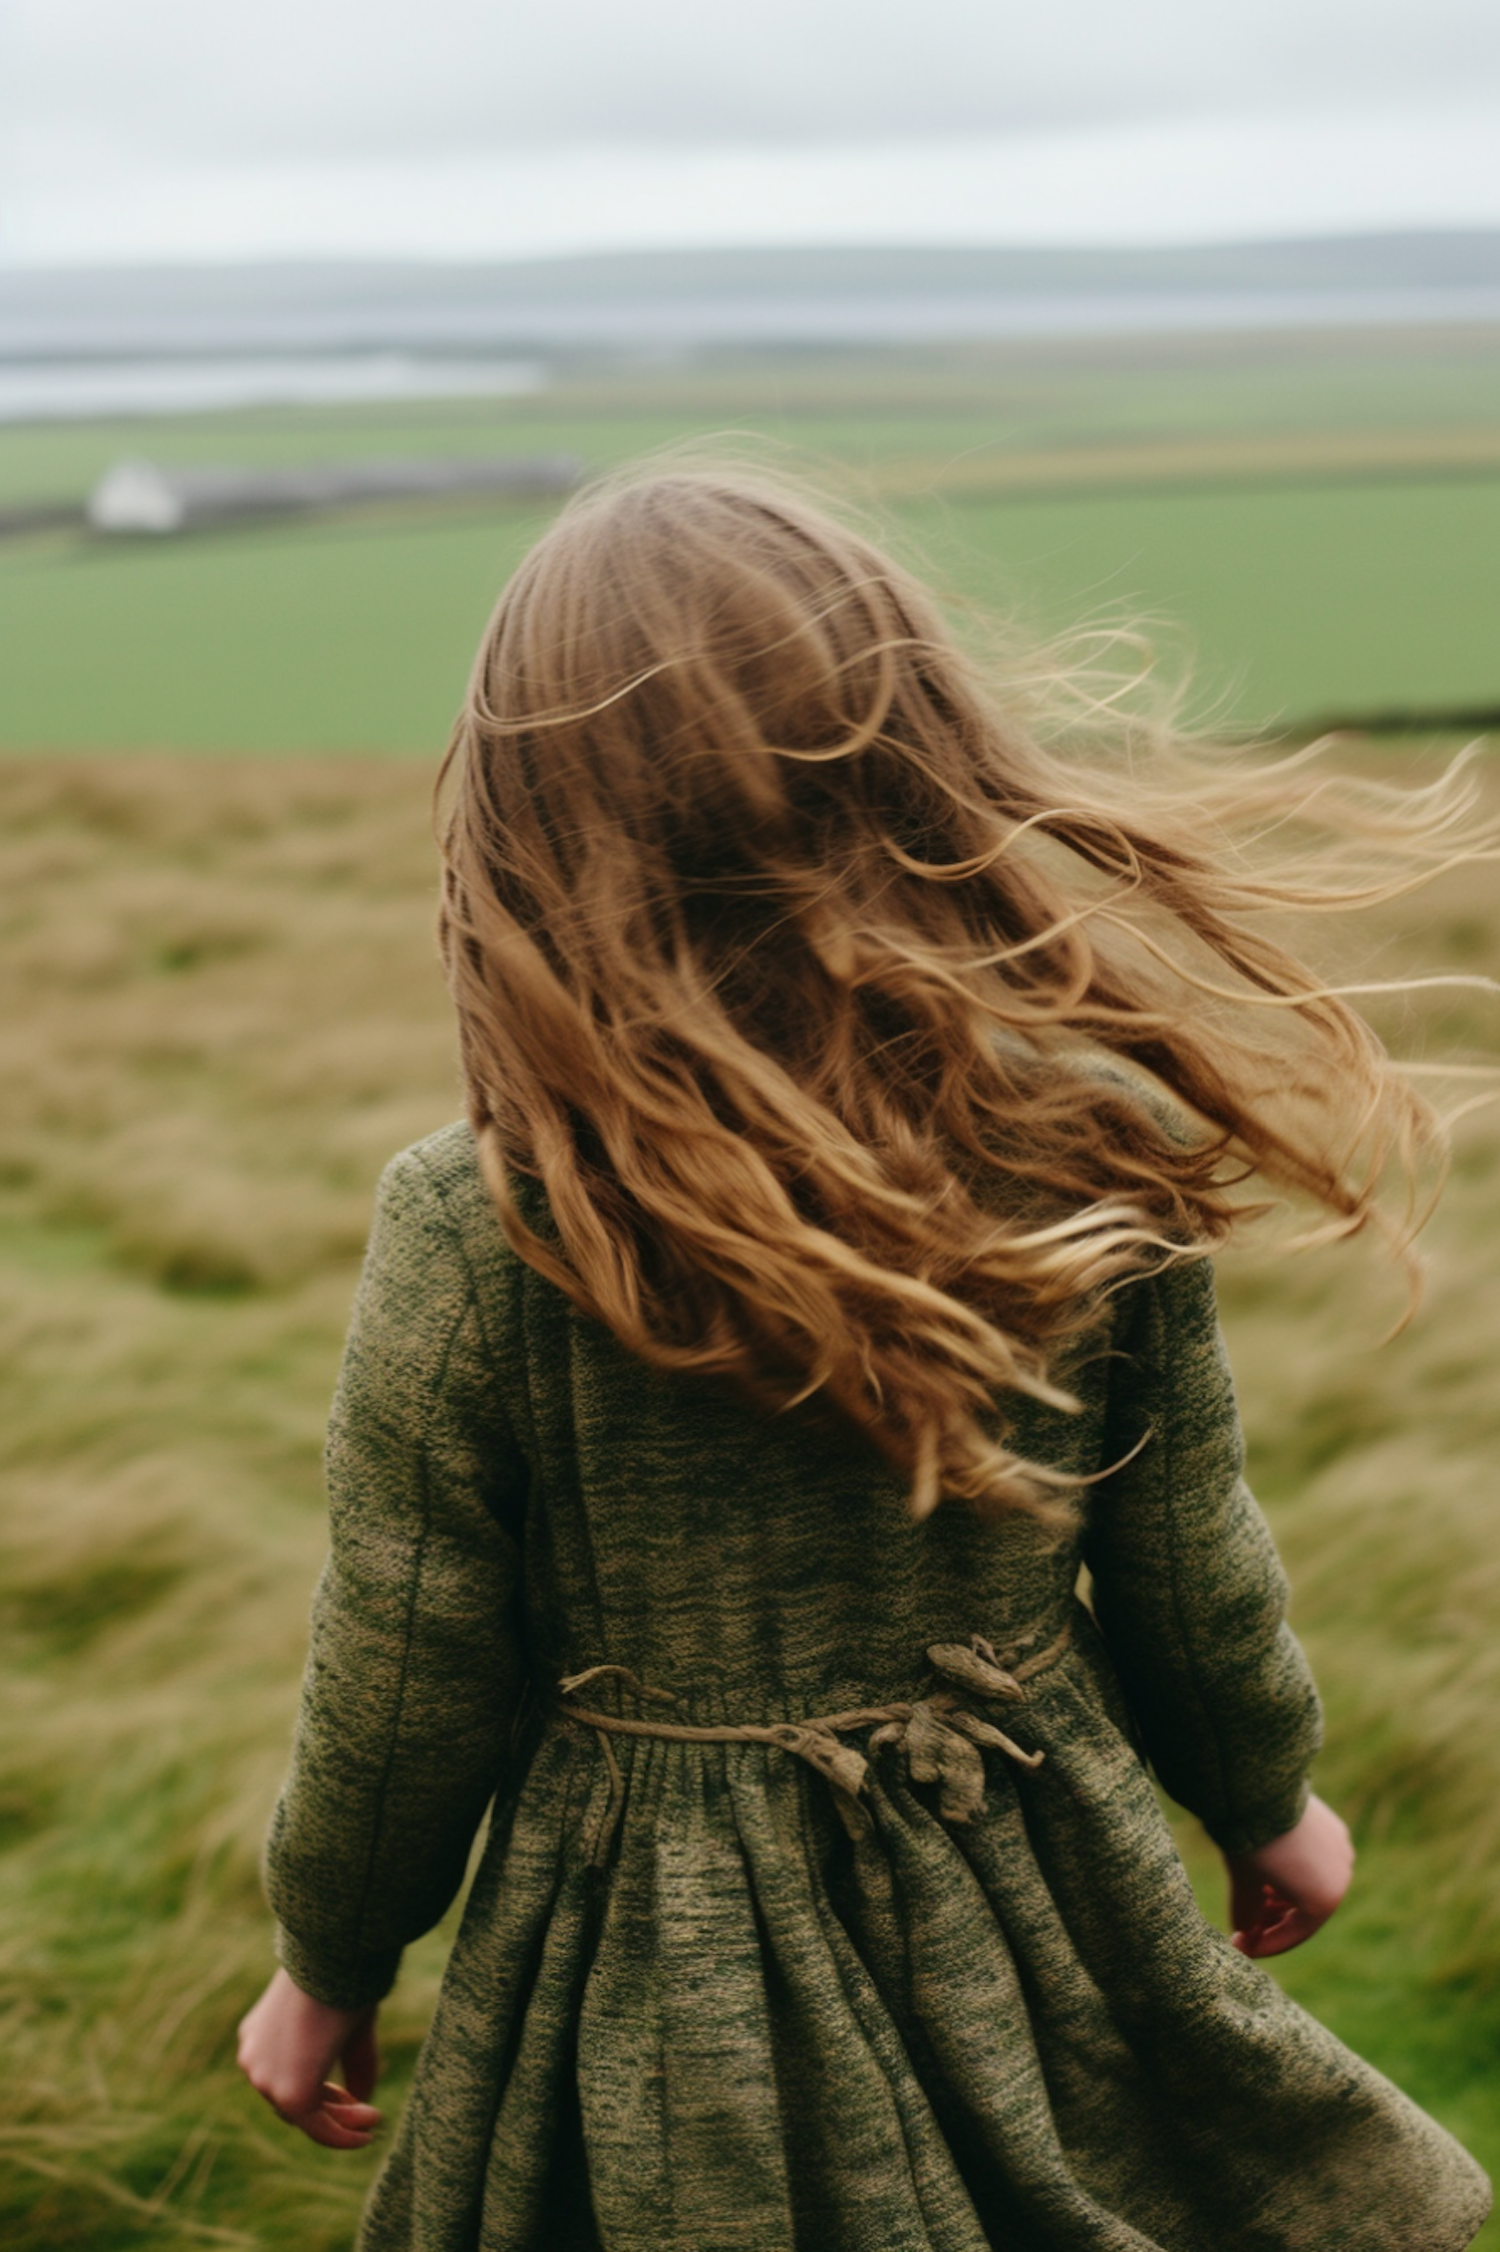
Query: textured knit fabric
point(704, 2017)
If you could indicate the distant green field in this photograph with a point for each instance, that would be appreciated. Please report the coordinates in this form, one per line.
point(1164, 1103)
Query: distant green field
point(310, 637)
point(1296, 596)
point(1294, 605)
point(357, 635)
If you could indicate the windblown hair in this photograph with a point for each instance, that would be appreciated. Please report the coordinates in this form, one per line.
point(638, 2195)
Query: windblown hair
point(868, 1019)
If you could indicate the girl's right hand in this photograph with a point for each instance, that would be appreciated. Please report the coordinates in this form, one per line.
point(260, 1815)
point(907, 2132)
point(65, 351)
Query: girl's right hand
point(1283, 1892)
point(290, 2043)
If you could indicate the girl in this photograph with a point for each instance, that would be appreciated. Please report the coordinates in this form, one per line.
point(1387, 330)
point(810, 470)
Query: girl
point(861, 1061)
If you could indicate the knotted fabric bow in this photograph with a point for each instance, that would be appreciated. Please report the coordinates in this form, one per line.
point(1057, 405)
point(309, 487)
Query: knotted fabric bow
point(940, 1738)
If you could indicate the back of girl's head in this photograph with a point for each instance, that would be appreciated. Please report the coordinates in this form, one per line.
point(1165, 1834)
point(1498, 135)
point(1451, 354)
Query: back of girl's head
point(727, 774)
point(719, 673)
point(797, 958)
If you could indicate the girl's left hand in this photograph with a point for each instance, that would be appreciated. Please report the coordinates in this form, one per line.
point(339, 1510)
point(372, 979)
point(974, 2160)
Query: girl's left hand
point(1281, 1893)
point(288, 2046)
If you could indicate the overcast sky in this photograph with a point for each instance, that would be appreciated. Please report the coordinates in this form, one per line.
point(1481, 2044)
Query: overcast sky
point(186, 127)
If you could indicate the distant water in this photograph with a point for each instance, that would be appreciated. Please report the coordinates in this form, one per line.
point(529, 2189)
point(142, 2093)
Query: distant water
point(81, 390)
point(140, 341)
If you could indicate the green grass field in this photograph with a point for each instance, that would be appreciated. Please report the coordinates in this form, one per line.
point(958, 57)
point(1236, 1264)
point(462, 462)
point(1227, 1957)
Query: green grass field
point(220, 1011)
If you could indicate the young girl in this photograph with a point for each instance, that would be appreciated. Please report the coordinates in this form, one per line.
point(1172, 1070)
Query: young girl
point(861, 1061)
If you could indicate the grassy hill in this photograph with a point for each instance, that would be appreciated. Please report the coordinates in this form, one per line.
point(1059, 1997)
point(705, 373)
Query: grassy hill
point(221, 1012)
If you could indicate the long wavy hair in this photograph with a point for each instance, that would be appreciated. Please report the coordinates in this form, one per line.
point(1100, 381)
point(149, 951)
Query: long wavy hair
point(869, 1012)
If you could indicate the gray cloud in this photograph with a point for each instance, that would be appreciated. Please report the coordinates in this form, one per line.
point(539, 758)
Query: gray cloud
point(183, 79)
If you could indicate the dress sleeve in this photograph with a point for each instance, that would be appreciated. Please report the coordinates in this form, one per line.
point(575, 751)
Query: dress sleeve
point(415, 1669)
point(1188, 1589)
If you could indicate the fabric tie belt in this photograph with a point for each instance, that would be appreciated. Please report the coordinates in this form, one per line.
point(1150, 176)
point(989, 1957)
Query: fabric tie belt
point(938, 1734)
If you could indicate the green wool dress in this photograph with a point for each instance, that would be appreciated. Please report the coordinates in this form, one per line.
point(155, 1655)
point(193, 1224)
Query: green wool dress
point(888, 1988)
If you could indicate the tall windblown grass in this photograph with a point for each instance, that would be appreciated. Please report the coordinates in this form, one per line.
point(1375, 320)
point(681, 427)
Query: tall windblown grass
point(219, 1012)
